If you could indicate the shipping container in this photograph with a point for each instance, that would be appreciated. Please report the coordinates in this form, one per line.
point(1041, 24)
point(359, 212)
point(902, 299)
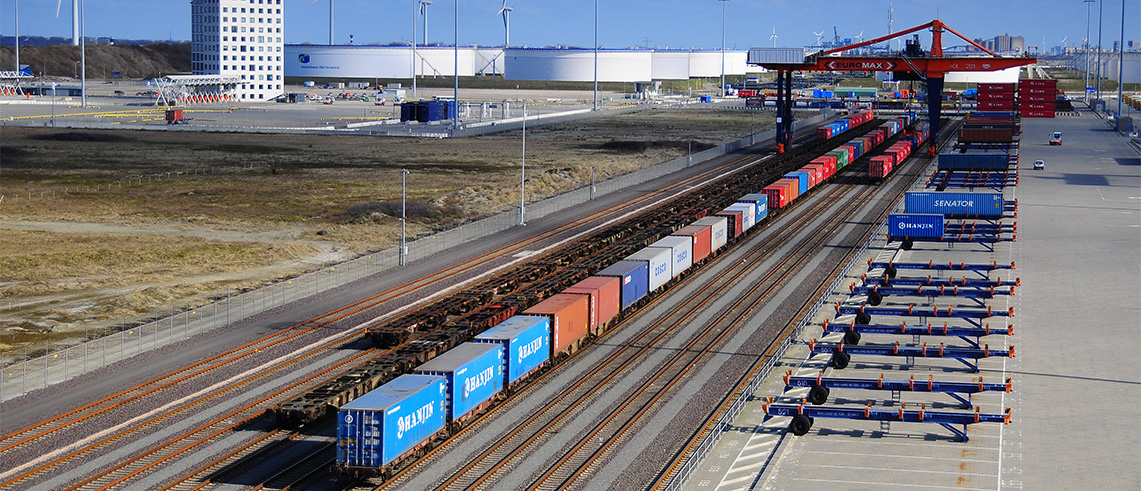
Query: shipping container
point(635, 278)
point(777, 195)
point(570, 320)
point(851, 152)
point(391, 420)
point(955, 205)
point(914, 226)
point(734, 221)
point(718, 233)
point(1038, 82)
point(1037, 98)
point(748, 214)
point(801, 178)
point(985, 135)
point(681, 249)
point(474, 374)
point(659, 261)
point(1037, 114)
point(605, 294)
point(700, 236)
point(815, 174)
point(880, 166)
point(527, 341)
point(995, 87)
point(996, 161)
point(793, 186)
point(997, 105)
point(1037, 106)
point(823, 132)
point(760, 201)
point(996, 96)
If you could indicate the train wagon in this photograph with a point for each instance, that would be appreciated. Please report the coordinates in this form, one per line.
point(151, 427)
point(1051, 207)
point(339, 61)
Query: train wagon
point(634, 277)
point(605, 294)
point(527, 341)
point(392, 420)
point(718, 232)
point(700, 236)
point(473, 374)
point(570, 321)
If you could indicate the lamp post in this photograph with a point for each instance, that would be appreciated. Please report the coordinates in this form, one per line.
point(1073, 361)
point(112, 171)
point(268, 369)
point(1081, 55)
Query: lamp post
point(413, 49)
point(1085, 93)
point(83, 53)
point(595, 55)
point(53, 104)
point(1120, 59)
point(456, 54)
point(723, 2)
point(523, 171)
point(1100, 10)
point(403, 216)
point(16, 4)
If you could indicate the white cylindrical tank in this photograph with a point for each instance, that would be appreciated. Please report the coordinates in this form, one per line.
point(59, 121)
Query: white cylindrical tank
point(439, 61)
point(488, 61)
point(670, 65)
point(302, 60)
point(577, 65)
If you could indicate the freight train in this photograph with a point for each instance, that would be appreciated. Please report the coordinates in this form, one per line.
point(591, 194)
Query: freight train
point(378, 431)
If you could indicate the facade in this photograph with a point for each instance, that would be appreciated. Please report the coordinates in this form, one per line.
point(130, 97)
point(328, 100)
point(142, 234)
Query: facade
point(242, 38)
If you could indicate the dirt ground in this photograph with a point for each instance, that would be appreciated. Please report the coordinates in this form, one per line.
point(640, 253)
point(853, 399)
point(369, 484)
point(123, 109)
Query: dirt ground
point(99, 229)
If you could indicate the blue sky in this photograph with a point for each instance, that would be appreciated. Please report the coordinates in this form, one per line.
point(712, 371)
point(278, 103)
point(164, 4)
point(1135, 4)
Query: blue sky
point(622, 23)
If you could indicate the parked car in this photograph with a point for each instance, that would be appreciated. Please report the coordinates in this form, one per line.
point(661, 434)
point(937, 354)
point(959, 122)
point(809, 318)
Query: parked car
point(327, 100)
point(1056, 138)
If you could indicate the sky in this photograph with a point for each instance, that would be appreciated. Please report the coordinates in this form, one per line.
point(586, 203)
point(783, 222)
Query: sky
point(621, 23)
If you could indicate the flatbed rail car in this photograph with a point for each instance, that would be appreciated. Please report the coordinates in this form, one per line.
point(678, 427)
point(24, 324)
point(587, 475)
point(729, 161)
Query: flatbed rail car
point(414, 340)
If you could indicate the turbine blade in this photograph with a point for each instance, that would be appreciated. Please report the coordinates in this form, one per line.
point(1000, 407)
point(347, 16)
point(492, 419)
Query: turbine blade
point(57, 6)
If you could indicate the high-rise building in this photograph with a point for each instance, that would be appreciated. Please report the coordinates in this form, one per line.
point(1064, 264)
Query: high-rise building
point(241, 38)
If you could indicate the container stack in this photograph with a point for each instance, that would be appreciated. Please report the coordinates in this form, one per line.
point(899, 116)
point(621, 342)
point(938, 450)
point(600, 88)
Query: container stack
point(996, 97)
point(1037, 98)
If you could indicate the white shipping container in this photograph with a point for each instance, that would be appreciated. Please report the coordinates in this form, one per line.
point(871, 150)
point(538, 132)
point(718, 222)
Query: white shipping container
point(748, 214)
point(660, 264)
point(681, 248)
point(718, 231)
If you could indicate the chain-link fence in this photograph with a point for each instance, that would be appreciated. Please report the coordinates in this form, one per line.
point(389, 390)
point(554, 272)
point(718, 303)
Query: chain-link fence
point(79, 355)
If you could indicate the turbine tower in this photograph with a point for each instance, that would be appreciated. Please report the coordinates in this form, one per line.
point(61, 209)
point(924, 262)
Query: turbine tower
point(773, 38)
point(331, 17)
point(819, 36)
point(506, 13)
point(424, 16)
point(74, 19)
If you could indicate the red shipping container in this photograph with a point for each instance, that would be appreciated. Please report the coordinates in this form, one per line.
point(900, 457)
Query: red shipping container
point(1038, 98)
point(851, 153)
point(1037, 114)
point(604, 292)
point(570, 320)
point(812, 176)
point(777, 195)
point(1024, 91)
point(880, 166)
point(996, 105)
point(793, 186)
point(984, 135)
point(996, 96)
point(817, 171)
point(1038, 82)
point(992, 87)
point(734, 222)
point(1038, 106)
point(701, 240)
point(823, 133)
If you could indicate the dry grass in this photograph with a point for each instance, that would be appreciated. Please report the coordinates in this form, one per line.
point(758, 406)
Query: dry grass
point(277, 204)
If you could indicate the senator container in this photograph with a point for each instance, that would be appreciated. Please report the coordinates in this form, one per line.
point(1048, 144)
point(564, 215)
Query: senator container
point(735, 221)
point(914, 226)
point(748, 214)
point(963, 205)
point(718, 231)
point(605, 294)
point(634, 277)
point(474, 373)
point(527, 340)
point(570, 320)
point(394, 418)
point(681, 249)
point(700, 236)
point(760, 201)
point(660, 262)
point(801, 179)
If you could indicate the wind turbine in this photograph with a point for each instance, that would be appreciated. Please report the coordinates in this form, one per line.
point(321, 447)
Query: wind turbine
point(424, 15)
point(506, 12)
point(1064, 38)
point(74, 19)
point(331, 17)
point(819, 36)
point(773, 38)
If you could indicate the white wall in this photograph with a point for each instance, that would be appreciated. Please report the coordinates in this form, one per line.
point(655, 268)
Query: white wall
point(576, 65)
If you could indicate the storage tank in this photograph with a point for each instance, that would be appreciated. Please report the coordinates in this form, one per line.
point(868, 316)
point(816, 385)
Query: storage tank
point(670, 65)
point(577, 65)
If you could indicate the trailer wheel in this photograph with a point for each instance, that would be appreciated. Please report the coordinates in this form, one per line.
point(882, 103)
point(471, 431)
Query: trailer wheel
point(907, 243)
point(890, 271)
point(875, 298)
point(863, 318)
point(852, 337)
point(800, 425)
point(840, 360)
point(818, 395)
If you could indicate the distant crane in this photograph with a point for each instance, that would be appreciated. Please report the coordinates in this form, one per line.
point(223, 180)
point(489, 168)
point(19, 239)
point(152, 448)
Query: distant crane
point(506, 13)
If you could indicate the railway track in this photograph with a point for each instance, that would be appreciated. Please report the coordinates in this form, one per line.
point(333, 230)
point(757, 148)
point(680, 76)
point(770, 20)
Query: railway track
point(129, 469)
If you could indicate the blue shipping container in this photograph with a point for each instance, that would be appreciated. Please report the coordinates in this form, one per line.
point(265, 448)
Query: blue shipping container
point(660, 262)
point(682, 250)
point(761, 201)
point(967, 205)
point(914, 226)
point(392, 419)
point(527, 339)
point(474, 373)
point(635, 276)
point(998, 161)
point(802, 179)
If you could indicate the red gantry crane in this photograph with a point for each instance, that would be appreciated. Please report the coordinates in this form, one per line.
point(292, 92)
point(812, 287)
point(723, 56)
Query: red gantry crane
point(930, 67)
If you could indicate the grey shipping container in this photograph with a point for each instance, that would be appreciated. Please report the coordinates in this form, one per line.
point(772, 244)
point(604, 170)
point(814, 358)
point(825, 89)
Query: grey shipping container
point(718, 235)
point(956, 205)
point(786, 56)
point(660, 263)
point(682, 250)
point(914, 226)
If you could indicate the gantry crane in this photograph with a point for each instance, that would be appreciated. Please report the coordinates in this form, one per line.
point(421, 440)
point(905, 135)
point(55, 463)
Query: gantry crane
point(930, 67)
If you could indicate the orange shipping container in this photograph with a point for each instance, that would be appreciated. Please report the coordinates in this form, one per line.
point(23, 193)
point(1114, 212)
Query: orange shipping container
point(570, 320)
point(604, 294)
point(792, 187)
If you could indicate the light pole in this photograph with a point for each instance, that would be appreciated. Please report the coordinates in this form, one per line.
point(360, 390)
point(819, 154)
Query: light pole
point(1120, 59)
point(523, 171)
point(1100, 9)
point(16, 4)
point(403, 216)
point(1085, 93)
point(53, 104)
point(595, 55)
point(456, 54)
point(723, 2)
point(413, 49)
point(83, 53)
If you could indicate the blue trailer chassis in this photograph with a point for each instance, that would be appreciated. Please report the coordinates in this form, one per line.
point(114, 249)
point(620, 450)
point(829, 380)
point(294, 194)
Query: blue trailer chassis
point(841, 353)
point(820, 386)
point(802, 416)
